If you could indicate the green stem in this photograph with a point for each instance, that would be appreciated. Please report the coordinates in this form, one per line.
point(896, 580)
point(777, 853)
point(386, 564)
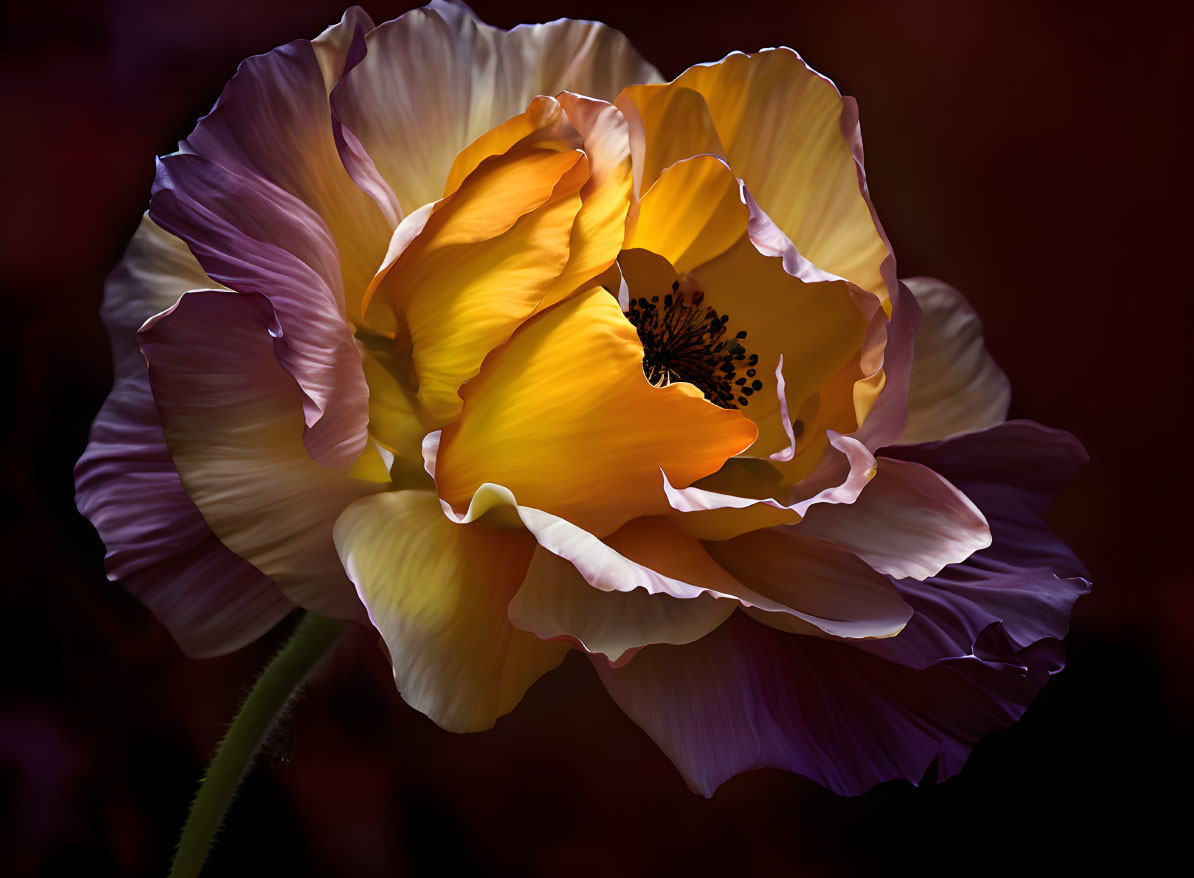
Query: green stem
point(310, 641)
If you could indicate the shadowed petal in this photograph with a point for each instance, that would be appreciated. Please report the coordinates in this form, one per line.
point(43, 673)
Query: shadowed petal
point(233, 420)
point(273, 124)
point(210, 600)
point(955, 387)
point(828, 589)
point(748, 696)
point(256, 238)
point(555, 602)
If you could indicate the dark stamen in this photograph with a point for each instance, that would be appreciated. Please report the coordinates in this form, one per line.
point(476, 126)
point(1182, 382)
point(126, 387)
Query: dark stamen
point(684, 342)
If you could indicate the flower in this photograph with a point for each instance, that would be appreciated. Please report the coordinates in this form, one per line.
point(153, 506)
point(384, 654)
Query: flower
point(502, 345)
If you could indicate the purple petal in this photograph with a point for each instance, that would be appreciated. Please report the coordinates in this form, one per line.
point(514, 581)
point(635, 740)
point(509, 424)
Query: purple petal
point(984, 638)
point(255, 238)
point(747, 696)
point(233, 419)
point(211, 600)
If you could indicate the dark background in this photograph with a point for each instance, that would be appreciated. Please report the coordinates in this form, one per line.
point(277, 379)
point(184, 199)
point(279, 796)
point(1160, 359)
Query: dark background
point(1031, 154)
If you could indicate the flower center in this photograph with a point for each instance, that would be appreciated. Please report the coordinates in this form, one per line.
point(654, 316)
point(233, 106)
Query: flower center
point(683, 340)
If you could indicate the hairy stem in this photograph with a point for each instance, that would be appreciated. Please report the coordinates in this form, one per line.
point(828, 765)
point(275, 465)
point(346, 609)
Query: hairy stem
point(249, 729)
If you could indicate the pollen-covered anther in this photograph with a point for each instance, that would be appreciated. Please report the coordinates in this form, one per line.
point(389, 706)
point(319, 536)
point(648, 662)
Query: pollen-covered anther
point(685, 340)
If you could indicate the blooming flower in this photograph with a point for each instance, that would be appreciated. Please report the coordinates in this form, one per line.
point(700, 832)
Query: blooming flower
point(501, 344)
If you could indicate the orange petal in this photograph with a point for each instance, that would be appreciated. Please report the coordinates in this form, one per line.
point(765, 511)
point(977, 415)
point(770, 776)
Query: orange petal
point(481, 265)
point(668, 123)
point(693, 213)
point(563, 416)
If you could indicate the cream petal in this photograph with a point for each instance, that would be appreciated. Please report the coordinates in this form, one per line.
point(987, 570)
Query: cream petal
point(956, 386)
point(438, 592)
point(436, 79)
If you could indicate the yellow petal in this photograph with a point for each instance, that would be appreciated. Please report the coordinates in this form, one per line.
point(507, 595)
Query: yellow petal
point(438, 592)
point(816, 327)
point(782, 127)
point(563, 416)
point(543, 120)
point(481, 265)
point(691, 214)
point(606, 198)
point(668, 124)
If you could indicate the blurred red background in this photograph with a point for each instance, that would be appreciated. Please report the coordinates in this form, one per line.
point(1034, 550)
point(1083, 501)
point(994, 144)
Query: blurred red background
point(1031, 154)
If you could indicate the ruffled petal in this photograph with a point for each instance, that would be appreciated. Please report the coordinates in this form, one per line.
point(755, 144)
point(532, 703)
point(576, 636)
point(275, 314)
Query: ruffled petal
point(907, 522)
point(1028, 580)
point(599, 231)
point(482, 263)
point(233, 420)
point(273, 125)
point(668, 124)
point(438, 592)
point(254, 237)
point(817, 328)
point(210, 600)
point(555, 602)
point(784, 128)
point(748, 696)
point(563, 416)
point(155, 270)
point(691, 214)
point(827, 588)
point(436, 79)
point(888, 415)
point(956, 386)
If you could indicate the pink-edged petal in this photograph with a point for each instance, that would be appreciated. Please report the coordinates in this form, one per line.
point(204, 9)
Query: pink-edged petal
point(955, 385)
point(735, 501)
point(556, 603)
point(436, 79)
point(789, 134)
point(826, 588)
point(438, 592)
point(342, 45)
point(233, 420)
point(907, 522)
point(748, 696)
point(888, 415)
point(154, 271)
